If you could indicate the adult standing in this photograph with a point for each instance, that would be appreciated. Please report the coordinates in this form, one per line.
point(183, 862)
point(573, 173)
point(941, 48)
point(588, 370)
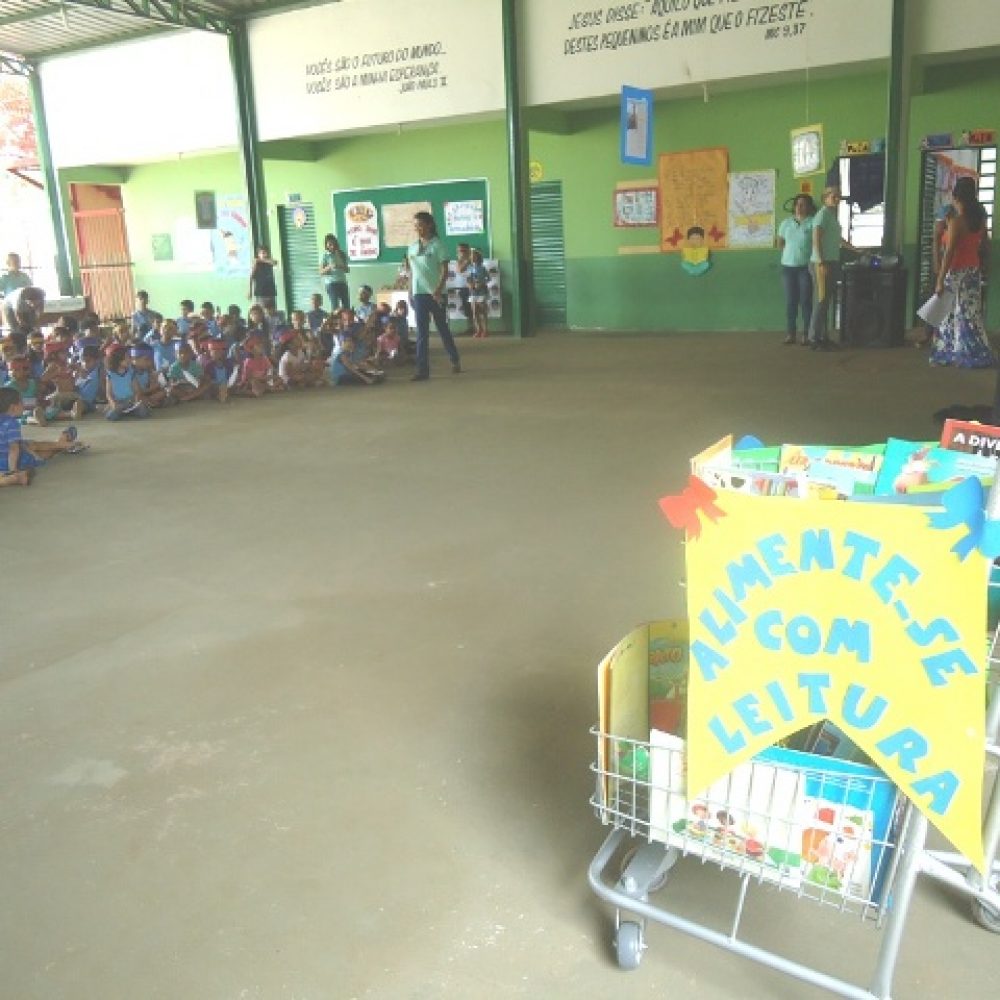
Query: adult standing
point(795, 243)
point(13, 278)
point(263, 289)
point(427, 260)
point(333, 266)
point(824, 265)
point(961, 338)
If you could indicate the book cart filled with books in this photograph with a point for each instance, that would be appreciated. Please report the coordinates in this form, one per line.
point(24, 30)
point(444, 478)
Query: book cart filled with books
point(832, 692)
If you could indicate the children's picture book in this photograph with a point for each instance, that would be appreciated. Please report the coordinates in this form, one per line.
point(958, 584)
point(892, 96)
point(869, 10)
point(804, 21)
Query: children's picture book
point(847, 470)
point(762, 484)
point(924, 466)
point(972, 438)
point(814, 825)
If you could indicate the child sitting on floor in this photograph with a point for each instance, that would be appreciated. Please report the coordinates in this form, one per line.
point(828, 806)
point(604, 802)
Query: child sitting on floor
point(256, 371)
point(146, 377)
point(388, 344)
point(345, 370)
point(89, 377)
point(220, 371)
point(317, 314)
point(19, 458)
point(186, 380)
point(165, 346)
point(59, 384)
point(365, 306)
point(122, 388)
point(20, 379)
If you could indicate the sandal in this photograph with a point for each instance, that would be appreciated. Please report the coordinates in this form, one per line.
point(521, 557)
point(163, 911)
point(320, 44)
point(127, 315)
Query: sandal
point(70, 434)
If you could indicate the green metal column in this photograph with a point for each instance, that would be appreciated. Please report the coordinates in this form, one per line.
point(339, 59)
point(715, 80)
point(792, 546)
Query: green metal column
point(897, 127)
point(517, 171)
point(51, 182)
point(253, 168)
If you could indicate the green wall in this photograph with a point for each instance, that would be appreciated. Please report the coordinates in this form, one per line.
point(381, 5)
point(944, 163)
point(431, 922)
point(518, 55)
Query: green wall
point(608, 290)
point(953, 98)
point(157, 195)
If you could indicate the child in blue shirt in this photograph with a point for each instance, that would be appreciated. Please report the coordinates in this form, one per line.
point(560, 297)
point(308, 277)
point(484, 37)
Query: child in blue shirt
point(317, 314)
point(122, 388)
point(165, 345)
point(19, 458)
point(89, 377)
point(147, 381)
point(183, 322)
point(365, 306)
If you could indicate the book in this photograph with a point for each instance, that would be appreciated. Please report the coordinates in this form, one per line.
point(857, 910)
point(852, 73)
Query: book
point(816, 825)
point(847, 470)
point(971, 437)
point(926, 467)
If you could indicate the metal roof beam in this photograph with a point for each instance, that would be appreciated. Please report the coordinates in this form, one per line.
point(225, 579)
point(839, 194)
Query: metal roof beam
point(14, 65)
point(171, 13)
point(29, 15)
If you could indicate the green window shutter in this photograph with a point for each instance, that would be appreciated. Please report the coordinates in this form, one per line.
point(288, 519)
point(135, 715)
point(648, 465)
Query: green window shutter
point(299, 255)
point(548, 252)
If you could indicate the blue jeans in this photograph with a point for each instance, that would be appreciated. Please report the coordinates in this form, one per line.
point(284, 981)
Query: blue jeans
point(338, 292)
point(798, 296)
point(424, 307)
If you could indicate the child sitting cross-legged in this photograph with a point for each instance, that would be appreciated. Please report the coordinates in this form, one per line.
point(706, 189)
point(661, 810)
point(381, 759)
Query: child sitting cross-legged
point(90, 380)
point(147, 380)
point(256, 372)
point(122, 388)
point(221, 371)
point(19, 378)
point(186, 380)
point(59, 382)
point(19, 458)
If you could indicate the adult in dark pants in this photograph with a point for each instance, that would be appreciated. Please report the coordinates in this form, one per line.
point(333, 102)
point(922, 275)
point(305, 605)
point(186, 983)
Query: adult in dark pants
point(427, 260)
point(825, 267)
point(334, 267)
point(795, 244)
point(263, 289)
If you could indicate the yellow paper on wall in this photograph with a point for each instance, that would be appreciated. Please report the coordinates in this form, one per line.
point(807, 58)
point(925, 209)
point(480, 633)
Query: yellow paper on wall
point(801, 610)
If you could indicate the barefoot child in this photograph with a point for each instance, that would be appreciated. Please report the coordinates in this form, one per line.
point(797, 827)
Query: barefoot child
point(19, 458)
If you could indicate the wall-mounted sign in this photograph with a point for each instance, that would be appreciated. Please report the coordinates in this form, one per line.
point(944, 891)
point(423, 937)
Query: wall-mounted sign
point(807, 150)
point(637, 126)
point(979, 137)
point(855, 147)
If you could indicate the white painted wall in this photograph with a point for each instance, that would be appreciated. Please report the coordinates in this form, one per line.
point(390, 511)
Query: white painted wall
point(367, 63)
point(142, 101)
point(574, 49)
point(951, 26)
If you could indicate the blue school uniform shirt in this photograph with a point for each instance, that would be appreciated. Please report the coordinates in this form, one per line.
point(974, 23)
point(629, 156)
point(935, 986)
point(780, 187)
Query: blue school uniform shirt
point(183, 326)
point(363, 310)
point(165, 352)
point(10, 433)
point(88, 384)
point(121, 385)
point(315, 319)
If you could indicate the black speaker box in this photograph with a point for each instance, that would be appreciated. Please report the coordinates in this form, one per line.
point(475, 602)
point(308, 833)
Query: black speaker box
point(874, 306)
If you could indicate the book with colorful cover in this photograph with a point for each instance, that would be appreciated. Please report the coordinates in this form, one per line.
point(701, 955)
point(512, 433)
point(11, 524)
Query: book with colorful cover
point(971, 437)
point(926, 467)
point(846, 469)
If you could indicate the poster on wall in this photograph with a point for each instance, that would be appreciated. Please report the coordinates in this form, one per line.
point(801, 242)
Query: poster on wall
point(361, 227)
point(751, 208)
point(397, 222)
point(232, 247)
point(807, 150)
point(463, 218)
point(193, 246)
point(694, 192)
point(637, 126)
point(637, 207)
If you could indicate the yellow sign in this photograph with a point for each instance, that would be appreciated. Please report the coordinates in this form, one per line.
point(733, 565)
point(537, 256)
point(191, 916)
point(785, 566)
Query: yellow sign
point(860, 613)
point(536, 171)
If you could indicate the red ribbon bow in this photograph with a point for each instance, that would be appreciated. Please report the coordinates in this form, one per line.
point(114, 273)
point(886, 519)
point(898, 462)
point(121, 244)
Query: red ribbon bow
point(682, 511)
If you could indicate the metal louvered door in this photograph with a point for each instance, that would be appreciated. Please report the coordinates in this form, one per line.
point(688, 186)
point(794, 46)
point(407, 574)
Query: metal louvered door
point(925, 247)
point(102, 248)
point(548, 252)
point(299, 255)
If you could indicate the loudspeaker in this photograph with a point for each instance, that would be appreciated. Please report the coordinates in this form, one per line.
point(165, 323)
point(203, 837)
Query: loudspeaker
point(874, 308)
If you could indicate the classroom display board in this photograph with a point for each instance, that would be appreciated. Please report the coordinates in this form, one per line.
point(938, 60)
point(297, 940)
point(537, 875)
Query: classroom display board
point(694, 193)
point(375, 225)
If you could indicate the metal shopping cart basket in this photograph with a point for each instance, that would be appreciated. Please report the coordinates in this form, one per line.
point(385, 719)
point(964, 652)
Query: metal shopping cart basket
point(845, 839)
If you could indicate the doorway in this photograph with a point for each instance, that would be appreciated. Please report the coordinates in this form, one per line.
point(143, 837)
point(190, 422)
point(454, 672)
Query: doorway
point(102, 248)
point(939, 169)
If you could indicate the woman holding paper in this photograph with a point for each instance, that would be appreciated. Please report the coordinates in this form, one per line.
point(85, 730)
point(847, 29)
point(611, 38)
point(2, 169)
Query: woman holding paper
point(961, 338)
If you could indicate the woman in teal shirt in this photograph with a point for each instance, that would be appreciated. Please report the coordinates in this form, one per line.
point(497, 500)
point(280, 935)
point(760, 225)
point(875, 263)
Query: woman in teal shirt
point(795, 243)
point(333, 267)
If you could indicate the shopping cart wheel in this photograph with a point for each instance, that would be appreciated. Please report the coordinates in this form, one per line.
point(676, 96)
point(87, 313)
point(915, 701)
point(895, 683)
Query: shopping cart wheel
point(629, 945)
point(985, 915)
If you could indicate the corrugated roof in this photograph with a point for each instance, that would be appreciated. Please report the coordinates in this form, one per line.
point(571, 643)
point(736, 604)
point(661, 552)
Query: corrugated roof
point(32, 30)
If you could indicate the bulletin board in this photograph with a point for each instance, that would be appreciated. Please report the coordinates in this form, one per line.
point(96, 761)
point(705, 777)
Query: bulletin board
point(694, 191)
point(440, 196)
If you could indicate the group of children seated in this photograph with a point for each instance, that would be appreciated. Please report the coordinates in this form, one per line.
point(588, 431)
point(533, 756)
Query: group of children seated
point(148, 362)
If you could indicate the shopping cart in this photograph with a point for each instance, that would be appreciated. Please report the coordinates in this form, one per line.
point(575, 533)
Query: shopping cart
point(640, 794)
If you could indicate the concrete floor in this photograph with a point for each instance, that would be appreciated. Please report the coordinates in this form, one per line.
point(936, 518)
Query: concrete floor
point(295, 693)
